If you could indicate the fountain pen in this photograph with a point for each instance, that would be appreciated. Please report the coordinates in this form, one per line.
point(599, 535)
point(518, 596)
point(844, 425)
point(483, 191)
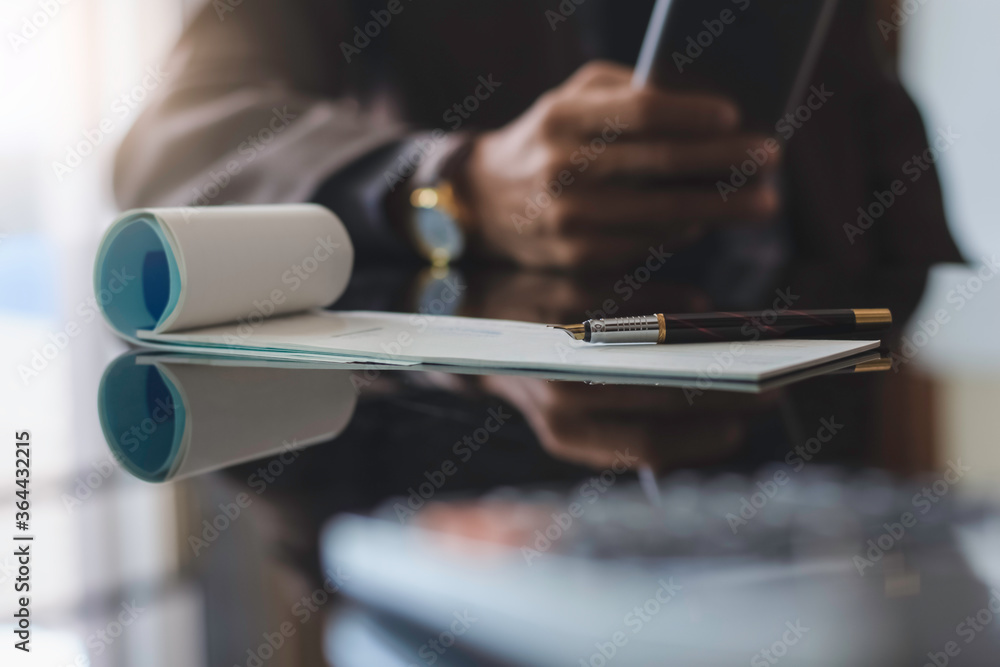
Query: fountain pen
point(718, 327)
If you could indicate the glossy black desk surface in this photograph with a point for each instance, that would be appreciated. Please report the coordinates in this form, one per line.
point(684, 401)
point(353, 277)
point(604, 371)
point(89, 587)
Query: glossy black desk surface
point(197, 550)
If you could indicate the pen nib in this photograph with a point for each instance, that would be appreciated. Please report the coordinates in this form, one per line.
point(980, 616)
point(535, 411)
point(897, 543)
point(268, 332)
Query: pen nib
point(577, 331)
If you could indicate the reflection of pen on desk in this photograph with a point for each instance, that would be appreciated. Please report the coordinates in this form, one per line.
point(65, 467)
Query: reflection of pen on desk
point(650, 487)
point(715, 327)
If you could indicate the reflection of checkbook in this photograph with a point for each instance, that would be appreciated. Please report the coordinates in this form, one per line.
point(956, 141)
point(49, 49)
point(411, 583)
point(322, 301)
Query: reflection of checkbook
point(697, 581)
point(252, 280)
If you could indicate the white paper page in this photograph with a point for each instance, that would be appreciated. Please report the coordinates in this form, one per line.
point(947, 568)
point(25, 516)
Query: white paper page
point(249, 262)
point(327, 362)
point(511, 345)
point(326, 358)
point(243, 413)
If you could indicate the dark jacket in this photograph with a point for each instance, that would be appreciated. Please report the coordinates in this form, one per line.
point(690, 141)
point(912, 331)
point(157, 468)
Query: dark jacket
point(276, 100)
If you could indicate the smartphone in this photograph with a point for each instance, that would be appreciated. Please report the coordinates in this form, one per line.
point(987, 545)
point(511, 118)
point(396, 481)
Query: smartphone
point(758, 53)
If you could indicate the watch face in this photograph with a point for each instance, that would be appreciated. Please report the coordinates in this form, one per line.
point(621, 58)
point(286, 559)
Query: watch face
point(439, 236)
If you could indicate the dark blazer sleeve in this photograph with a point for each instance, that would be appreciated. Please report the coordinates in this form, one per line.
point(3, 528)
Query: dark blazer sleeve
point(255, 108)
point(853, 150)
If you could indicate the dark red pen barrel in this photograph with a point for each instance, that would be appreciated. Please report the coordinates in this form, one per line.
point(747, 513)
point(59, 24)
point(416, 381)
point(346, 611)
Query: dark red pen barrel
point(719, 327)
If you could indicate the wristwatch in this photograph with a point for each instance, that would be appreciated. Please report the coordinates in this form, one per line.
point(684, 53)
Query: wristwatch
point(435, 224)
point(437, 220)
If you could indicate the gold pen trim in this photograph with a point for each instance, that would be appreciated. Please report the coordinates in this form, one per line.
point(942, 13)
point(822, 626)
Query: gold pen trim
point(867, 319)
point(663, 329)
point(875, 365)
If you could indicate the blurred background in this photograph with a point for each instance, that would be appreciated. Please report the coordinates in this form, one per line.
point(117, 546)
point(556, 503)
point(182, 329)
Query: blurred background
point(74, 76)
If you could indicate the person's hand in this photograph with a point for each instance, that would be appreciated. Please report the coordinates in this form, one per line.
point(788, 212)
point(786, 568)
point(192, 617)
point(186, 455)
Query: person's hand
point(593, 425)
point(527, 295)
point(597, 172)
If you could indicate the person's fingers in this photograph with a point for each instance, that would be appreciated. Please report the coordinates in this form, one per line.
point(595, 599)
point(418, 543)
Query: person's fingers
point(606, 249)
point(597, 74)
point(564, 297)
point(613, 113)
point(666, 159)
point(530, 296)
point(594, 251)
point(663, 401)
point(662, 443)
point(480, 523)
point(659, 214)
